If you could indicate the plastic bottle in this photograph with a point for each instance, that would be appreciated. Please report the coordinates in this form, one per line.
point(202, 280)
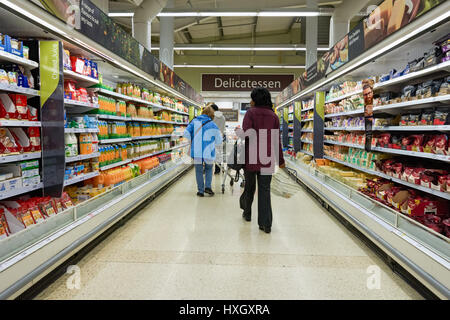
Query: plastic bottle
point(94, 139)
point(74, 144)
point(68, 145)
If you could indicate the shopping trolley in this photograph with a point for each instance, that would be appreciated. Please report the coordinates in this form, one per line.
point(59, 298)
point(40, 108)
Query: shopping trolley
point(226, 167)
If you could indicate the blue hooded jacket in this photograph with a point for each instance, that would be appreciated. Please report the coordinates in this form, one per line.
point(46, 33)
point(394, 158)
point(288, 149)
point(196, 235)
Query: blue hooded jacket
point(205, 140)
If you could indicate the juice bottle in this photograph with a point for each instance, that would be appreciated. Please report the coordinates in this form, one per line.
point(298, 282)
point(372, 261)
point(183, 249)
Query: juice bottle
point(124, 152)
point(94, 139)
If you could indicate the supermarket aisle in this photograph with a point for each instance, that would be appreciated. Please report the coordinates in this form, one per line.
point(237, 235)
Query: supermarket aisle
point(185, 247)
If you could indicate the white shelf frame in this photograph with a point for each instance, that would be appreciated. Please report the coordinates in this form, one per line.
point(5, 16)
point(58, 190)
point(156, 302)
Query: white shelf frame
point(83, 157)
point(9, 57)
point(114, 165)
point(80, 178)
point(20, 157)
point(20, 123)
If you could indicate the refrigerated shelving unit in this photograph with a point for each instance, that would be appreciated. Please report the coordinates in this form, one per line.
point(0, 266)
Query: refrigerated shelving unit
point(422, 252)
point(29, 255)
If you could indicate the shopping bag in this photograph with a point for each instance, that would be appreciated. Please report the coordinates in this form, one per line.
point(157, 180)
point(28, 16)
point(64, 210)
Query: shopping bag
point(283, 186)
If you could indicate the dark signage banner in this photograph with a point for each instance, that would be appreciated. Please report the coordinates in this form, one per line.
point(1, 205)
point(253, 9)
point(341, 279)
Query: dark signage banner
point(52, 117)
point(245, 82)
point(230, 115)
point(89, 20)
point(386, 19)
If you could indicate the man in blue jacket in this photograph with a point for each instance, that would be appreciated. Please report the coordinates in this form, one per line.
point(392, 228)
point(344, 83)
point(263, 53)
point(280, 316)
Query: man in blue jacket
point(204, 136)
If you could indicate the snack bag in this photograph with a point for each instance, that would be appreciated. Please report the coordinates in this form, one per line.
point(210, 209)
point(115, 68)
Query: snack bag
point(440, 146)
point(35, 138)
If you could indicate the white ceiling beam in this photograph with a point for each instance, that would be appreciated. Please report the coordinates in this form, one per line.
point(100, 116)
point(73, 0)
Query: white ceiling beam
point(293, 12)
point(240, 47)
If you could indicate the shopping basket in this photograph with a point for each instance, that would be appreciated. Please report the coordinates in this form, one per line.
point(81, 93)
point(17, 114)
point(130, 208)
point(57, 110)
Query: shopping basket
point(282, 185)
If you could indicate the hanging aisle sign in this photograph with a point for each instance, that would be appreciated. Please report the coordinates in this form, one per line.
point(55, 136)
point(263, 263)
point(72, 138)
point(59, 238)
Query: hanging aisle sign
point(319, 119)
point(368, 111)
point(93, 23)
point(245, 82)
point(389, 17)
point(52, 117)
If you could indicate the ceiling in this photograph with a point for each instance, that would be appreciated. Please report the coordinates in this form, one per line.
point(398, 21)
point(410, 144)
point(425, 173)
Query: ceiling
point(239, 30)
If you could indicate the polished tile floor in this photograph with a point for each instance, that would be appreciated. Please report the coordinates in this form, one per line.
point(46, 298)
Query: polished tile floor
point(184, 247)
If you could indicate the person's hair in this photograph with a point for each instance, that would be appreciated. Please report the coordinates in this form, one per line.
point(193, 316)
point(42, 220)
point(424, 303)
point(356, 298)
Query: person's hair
point(261, 97)
point(367, 86)
point(209, 111)
point(215, 107)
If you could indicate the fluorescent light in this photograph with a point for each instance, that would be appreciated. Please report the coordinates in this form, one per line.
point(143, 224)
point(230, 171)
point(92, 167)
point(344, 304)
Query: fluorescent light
point(218, 66)
point(121, 14)
point(289, 14)
point(238, 48)
point(243, 13)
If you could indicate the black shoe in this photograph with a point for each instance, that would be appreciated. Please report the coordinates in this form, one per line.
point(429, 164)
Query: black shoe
point(200, 194)
point(265, 229)
point(246, 217)
point(209, 191)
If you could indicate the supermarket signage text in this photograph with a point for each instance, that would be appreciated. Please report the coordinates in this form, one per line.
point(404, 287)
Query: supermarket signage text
point(226, 310)
point(244, 82)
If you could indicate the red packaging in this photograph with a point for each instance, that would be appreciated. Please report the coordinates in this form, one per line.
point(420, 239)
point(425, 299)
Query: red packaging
point(384, 139)
point(417, 142)
point(442, 181)
point(77, 64)
point(35, 212)
point(416, 175)
point(433, 222)
point(35, 138)
point(397, 169)
point(32, 114)
point(440, 146)
point(20, 101)
point(407, 173)
point(446, 224)
point(430, 142)
point(7, 108)
point(391, 193)
point(8, 144)
point(407, 143)
point(3, 225)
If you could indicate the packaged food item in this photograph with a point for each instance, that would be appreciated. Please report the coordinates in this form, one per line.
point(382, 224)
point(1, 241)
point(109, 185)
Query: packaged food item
point(426, 118)
point(4, 79)
point(404, 120)
point(440, 145)
point(441, 117)
point(414, 119)
point(433, 222)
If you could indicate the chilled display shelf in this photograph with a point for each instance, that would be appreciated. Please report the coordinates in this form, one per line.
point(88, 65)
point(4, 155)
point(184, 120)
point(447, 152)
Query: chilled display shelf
point(441, 194)
point(81, 178)
point(307, 152)
point(346, 113)
point(16, 89)
point(404, 239)
point(308, 130)
point(9, 57)
point(114, 140)
point(86, 80)
point(344, 129)
point(345, 96)
point(425, 155)
point(393, 106)
point(20, 157)
point(128, 98)
point(290, 146)
point(16, 192)
point(304, 110)
point(151, 137)
point(445, 66)
point(306, 120)
point(111, 117)
point(74, 103)
point(307, 141)
point(114, 165)
point(83, 157)
point(19, 123)
point(345, 144)
point(413, 128)
point(180, 146)
point(81, 130)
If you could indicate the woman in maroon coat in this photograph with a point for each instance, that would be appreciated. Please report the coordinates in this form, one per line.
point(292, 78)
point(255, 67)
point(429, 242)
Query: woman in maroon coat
point(261, 129)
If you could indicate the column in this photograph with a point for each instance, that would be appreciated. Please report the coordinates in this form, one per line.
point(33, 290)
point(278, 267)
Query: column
point(311, 35)
point(166, 38)
point(339, 27)
point(143, 32)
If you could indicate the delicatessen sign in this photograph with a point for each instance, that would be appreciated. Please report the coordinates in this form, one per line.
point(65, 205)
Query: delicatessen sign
point(245, 82)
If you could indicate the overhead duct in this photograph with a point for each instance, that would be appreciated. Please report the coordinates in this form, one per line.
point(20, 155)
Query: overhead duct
point(143, 17)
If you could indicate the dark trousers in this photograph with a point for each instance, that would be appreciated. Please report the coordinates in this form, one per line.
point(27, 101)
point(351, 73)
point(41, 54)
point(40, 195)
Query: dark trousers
point(264, 204)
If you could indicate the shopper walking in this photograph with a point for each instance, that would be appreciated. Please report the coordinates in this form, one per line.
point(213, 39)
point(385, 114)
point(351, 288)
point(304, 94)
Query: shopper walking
point(204, 136)
point(219, 120)
point(261, 129)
